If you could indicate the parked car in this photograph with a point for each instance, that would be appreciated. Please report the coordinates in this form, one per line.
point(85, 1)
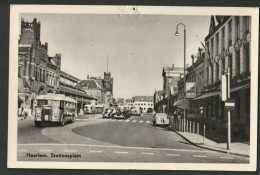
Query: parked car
point(106, 113)
point(127, 113)
point(160, 119)
point(118, 114)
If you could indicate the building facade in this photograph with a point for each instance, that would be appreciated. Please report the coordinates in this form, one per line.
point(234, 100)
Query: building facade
point(144, 102)
point(38, 73)
point(93, 87)
point(171, 76)
point(163, 100)
point(228, 46)
point(68, 88)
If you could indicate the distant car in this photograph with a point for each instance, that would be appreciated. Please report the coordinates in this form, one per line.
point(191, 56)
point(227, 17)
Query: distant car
point(106, 113)
point(127, 113)
point(118, 114)
point(160, 119)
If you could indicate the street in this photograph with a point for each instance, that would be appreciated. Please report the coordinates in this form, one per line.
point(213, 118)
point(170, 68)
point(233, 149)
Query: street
point(94, 139)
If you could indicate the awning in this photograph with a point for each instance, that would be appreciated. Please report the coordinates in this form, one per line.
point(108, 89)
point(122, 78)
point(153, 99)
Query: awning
point(75, 92)
point(240, 87)
point(182, 103)
point(209, 94)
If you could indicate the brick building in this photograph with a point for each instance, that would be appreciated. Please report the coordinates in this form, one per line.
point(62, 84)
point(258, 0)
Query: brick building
point(228, 43)
point(38, 73)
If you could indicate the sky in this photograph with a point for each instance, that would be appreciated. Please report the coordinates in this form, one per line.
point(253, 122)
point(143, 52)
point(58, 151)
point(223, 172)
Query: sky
point(137, 46)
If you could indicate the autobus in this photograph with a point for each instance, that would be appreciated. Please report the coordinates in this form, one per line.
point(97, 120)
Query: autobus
point(54, 108)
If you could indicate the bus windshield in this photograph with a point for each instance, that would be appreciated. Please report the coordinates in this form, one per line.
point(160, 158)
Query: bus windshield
point(55, 103)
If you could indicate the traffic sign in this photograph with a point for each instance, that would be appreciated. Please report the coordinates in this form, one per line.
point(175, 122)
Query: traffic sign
point(230, 104)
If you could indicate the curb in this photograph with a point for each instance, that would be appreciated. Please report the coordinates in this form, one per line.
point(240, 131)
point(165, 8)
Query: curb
point(204, 147)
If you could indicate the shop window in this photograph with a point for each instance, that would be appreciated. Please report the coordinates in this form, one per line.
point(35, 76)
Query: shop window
point(247, 101)
point(223, 39)
point(230, 64)
point(217, 71)
point(19, 71)
point(223, 66)
point(246, 57)
point(44, 76)
point(237, 107)
point(25, 67)
point(238, 62)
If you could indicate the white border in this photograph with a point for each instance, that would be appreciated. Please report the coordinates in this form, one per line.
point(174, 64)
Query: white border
point(77, 9)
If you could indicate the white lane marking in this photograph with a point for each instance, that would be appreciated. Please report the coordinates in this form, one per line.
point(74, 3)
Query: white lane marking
point(148, 122)
point(121, 152)
point(70, 150)
point(141, 121)
point(173, 154)
point(95, 151)
point(45, 150)
point(127, 120)
point(82, 119)
point(111, 146)
point(22, 150)
point(147, 153)
point(134, 121)
point(199, 156)
point(226, 157)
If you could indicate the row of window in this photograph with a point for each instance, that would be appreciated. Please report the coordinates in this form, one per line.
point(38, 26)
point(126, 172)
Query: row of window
point(149, 104)
point(245, 29)
point(235, 67)
point(42, 75)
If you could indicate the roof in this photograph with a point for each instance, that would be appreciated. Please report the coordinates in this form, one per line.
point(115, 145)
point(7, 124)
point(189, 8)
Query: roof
point(64, 74)
point(143, 98)
point(74, 91)
point(175, 69)
point(89, 84)
point(56, 97)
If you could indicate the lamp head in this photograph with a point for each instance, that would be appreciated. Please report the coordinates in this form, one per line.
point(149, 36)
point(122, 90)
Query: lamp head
point(177, 33)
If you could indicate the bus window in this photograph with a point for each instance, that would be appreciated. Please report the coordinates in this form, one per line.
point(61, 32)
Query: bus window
point(54, 103)
point(61, 104)
point(42, 102)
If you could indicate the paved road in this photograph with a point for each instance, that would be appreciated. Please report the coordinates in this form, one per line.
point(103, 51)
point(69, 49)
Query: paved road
point(93, 139)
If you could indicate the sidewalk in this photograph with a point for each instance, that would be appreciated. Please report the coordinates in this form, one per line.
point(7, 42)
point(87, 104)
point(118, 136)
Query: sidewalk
point(241, 149)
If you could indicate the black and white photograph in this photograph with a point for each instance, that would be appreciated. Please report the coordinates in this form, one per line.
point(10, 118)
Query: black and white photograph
point(133, 87)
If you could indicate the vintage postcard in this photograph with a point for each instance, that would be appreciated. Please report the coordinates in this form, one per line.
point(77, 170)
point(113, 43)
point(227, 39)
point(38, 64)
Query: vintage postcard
point(133, 87)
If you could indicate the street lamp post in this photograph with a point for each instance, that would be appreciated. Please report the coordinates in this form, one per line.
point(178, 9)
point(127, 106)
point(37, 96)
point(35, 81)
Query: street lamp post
point(184, 78)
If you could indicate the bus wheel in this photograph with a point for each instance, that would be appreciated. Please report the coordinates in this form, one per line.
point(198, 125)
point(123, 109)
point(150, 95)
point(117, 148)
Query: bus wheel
point(62, 123)
point(37, 124)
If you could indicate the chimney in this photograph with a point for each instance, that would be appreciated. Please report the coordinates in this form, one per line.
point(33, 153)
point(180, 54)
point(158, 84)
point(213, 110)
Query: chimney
point(172, 66)
point(192, 58)
point(88, 76)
